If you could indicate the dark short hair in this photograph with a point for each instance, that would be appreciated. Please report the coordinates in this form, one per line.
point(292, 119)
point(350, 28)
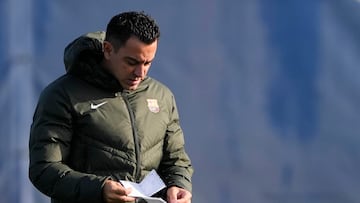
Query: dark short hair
point(127, 24)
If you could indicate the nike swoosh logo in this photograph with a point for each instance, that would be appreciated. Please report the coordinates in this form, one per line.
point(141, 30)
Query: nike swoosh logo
point(95, 106)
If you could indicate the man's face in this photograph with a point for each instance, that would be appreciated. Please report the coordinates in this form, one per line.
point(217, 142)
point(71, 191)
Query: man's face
point(131, 62)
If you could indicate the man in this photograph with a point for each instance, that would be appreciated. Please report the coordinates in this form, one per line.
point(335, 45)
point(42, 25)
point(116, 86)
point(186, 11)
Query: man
point(105, 120)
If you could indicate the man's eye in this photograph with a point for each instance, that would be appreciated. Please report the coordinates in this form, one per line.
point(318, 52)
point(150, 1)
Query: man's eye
point(132, 63)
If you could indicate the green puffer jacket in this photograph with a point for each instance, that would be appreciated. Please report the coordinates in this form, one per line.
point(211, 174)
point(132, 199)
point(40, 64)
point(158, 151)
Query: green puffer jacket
point(86, 129)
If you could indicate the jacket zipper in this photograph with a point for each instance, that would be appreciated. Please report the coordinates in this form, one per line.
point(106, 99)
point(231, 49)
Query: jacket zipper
point(135, 135)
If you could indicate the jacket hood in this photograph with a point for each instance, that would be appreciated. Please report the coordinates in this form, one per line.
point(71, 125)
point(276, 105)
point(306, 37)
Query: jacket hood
point(83, 57)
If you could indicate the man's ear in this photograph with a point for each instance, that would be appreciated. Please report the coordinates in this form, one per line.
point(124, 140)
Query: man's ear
point(108, 48)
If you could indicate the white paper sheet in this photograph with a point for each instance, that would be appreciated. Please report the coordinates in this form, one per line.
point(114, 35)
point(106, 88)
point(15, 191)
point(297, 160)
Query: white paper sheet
point(151, 184)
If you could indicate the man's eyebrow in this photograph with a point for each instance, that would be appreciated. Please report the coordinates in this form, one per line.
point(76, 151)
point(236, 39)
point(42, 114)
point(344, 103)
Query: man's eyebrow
point(137, 61)
point(131, 58)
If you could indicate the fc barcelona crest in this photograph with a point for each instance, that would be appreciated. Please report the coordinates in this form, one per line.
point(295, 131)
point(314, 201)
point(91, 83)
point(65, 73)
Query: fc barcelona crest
point(153, 105)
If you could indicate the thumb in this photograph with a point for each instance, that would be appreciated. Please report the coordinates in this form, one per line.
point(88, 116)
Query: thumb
point(172, 195)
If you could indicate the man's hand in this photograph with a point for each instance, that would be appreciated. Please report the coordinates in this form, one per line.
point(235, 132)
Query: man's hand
point(114, 192)
point(178, 195)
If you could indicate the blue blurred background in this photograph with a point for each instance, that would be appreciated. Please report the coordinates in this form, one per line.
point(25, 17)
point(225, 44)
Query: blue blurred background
point(268, 91)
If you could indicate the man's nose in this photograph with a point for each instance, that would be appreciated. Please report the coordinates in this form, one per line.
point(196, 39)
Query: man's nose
point(140, 71)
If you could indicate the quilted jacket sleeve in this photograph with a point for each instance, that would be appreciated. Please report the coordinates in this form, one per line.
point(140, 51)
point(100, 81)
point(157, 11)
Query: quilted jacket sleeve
point(176, 168)
point(49, 149)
